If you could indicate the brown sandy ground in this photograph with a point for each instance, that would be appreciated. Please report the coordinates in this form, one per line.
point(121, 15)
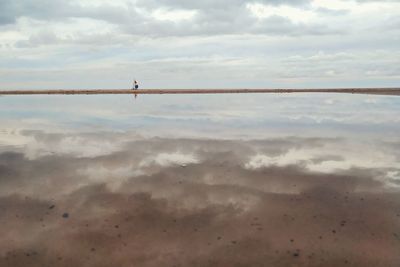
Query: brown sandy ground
point(215, 212)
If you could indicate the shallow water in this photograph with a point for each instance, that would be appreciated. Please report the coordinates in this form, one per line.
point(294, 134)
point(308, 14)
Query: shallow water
point(222, 180)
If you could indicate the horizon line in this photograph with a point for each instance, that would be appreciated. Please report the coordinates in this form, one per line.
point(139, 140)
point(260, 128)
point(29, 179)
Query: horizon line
point(374, 91)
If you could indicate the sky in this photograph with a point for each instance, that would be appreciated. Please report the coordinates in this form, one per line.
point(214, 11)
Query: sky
point(199, 44)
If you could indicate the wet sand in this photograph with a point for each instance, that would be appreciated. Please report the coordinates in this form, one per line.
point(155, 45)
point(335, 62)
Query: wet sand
point(373, 91)
point(213, 211)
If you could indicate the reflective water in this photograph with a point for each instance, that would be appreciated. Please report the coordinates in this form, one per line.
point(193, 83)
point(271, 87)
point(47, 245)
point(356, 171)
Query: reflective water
point(224, 180)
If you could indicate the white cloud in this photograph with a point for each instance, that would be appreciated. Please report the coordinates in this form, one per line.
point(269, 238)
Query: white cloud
point(173, 15)
point(335, 4)
point(294, 14)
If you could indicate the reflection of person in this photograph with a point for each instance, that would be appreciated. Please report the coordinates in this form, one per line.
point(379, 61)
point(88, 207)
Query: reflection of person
point(135, 85)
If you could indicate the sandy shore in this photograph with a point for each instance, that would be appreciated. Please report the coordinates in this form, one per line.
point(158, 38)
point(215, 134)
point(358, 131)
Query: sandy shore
point(222, 206)
point(374, 91)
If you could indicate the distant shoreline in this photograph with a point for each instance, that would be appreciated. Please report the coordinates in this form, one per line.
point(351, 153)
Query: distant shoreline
point(372, 91)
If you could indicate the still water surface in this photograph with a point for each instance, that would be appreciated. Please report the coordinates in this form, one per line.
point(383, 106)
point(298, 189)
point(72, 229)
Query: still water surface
point(221, 180)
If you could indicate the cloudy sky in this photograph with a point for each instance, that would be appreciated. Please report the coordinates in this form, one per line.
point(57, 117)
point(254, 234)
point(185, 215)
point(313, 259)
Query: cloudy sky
point(176, 43)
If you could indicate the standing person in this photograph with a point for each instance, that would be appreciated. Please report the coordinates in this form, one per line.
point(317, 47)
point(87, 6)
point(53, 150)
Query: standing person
point(135, 85)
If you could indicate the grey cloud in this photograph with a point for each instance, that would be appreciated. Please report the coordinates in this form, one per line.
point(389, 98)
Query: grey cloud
point(7, 15)
point(332, 12)
point(376, 1)
point(212, 19)
point(12, 10)
point(225, 19)
point(42, 38)
point(210, 5)
point(59, 10)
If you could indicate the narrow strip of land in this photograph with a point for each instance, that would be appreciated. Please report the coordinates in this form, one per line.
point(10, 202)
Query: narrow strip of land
point(374, 91)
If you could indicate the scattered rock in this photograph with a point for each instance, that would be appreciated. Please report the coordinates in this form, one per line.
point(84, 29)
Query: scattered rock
point(52, 207)
point(65, 215)
point(396, 236)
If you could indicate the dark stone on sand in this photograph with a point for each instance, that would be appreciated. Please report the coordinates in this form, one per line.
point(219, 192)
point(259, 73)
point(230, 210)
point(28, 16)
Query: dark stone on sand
point(65, 215)
point(52, 207)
